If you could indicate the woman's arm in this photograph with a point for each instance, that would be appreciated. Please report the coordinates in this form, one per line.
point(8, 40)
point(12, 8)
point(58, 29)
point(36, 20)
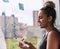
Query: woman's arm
point(52, 41)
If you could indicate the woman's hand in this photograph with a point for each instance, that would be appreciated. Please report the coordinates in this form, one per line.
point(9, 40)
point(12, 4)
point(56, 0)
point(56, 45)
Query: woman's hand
point(25, 47)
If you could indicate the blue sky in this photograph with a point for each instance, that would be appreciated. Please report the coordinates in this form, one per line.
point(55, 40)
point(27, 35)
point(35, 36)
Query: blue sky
point(25, 16)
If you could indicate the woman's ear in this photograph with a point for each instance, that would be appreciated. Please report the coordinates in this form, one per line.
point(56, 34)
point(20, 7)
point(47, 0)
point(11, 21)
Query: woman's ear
point(50, 18)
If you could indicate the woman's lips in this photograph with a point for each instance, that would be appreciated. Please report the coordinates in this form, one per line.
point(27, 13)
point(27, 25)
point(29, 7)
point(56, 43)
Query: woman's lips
point(39, 24)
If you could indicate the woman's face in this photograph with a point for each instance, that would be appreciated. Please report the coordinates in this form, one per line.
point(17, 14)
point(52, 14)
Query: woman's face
point(43, 19)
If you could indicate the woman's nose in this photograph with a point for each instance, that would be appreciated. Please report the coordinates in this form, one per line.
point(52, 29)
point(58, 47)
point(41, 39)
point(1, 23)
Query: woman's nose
point(38, 20)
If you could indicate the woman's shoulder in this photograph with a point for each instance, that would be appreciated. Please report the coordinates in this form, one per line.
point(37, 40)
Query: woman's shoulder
point(54, 35)
point(55, 32)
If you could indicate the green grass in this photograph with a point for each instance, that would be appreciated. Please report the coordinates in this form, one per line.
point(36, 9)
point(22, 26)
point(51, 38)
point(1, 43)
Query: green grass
point(13, 43)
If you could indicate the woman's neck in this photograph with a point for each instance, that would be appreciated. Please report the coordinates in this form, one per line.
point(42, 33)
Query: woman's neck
point(49, 28)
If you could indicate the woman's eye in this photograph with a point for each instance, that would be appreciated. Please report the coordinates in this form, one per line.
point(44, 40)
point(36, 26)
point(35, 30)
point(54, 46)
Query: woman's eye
point(40, 17)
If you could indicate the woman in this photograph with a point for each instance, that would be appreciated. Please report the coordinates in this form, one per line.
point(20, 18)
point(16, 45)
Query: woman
point(47, 17)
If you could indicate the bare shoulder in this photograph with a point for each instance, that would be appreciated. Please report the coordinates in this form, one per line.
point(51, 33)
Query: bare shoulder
point(53, 40)
point(53, 36)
